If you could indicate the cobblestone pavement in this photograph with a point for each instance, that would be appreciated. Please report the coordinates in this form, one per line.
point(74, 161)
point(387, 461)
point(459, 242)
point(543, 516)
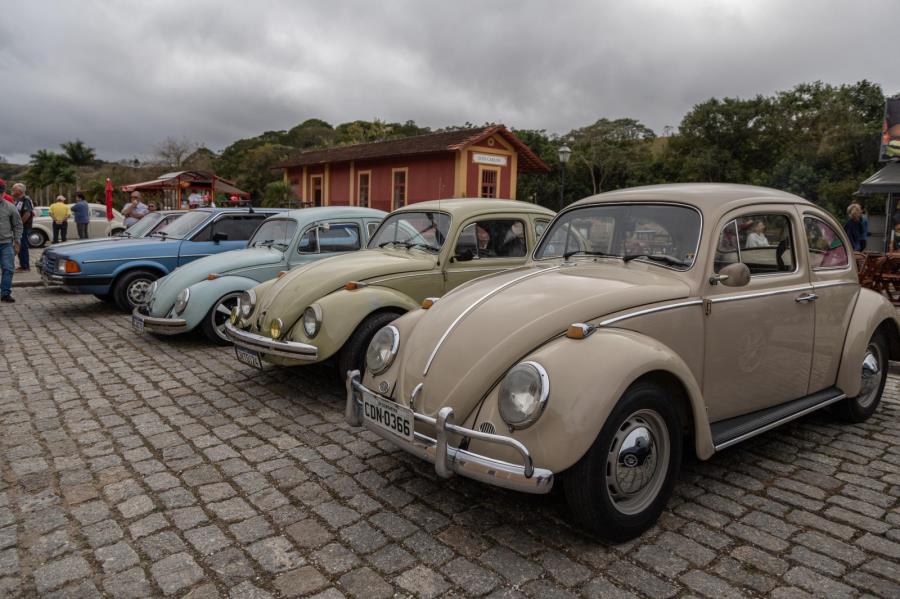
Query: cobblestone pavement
point(140, 466)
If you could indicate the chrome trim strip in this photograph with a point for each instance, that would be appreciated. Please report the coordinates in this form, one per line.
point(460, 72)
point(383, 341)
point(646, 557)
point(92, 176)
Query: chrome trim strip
point(477, 303)
point(784, 420)
point(636, 313)
point(194, 255)
point(733, 298)
point(268, 346)
point(834, 284)
point(392, 277)
point(128, 259)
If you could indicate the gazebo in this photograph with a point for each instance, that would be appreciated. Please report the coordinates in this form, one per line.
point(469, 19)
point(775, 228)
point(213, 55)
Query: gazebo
point(173, 185)
point(886, 181)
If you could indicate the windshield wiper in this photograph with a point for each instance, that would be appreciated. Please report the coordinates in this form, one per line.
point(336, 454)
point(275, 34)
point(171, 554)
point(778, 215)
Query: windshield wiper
point(160, 234)
point(568, 255)
point(426, 246)
point(405, 244)
point(657, 258)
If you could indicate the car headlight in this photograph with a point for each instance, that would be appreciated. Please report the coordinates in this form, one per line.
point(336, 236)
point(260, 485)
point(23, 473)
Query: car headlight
point(247, 303)
point(312, 320)
point(523, 394)
point(383, 349)
point(275, 328)
point(182, 299)
point(235, 315)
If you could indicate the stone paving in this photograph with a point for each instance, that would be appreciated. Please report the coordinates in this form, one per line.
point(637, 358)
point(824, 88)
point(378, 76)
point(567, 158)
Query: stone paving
point(137, 466)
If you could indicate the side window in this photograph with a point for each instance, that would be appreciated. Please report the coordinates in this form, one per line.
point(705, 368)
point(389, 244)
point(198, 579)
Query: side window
point(309, 243)
point(761, 241)
point(492, 239)
point(372, 227)
point(339, 238)
point(238, 228)
point(539, 227)
point(98, 213)
point(826, 250)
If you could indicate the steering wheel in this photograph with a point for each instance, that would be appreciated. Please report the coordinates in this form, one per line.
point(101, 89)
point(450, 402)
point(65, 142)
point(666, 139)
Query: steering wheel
point(782, 246)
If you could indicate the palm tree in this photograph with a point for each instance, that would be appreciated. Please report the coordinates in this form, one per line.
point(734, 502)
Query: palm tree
point(78, 153)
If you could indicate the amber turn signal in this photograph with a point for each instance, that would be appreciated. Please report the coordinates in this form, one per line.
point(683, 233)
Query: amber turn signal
point(281, 273)
point(428, 302)
point(580, 330)
point(72, 266)
point(353, 285)
point(212, 276)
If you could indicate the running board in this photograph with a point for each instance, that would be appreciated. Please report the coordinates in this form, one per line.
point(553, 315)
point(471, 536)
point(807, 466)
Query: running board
point(726, 433)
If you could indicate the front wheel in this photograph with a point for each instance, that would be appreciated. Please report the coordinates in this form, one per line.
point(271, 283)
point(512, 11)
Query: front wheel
point(130, 290)
point(213, 325)
point(353, 354)
point(873, 372)
point(618, 489)
point(37, 238)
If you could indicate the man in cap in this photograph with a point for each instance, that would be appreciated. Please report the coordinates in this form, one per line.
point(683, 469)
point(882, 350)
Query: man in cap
point(26, 213)
point(10, 234)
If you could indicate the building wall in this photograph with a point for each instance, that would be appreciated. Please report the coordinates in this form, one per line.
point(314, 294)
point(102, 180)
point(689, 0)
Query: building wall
point(499, 149)
point(339, 185)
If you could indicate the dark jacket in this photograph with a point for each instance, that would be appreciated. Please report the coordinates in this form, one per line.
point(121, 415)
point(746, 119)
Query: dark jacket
point(857, 234)
point(82, 212)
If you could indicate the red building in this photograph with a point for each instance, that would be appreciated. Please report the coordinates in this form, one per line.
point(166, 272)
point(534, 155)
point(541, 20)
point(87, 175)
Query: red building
point(482, 162)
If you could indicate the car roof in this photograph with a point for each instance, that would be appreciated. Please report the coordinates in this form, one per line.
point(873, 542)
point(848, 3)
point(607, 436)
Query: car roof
point(705, 196)
point(472, 205)
point(322, 212)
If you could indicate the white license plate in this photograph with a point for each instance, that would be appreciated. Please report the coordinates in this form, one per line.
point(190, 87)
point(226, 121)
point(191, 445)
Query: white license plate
point(248, 357)
point(389, 416)
point(137, 323)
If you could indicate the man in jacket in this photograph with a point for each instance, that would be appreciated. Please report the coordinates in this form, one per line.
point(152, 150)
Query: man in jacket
point(26, 213)
point(82, 213)
point(10, 234)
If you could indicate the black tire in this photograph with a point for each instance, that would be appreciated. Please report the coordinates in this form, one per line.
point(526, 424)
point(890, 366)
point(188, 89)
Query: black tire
point(353, 354)
point(115, 232)
point(600, 487)
point(37, 239)
point(105, 297)
point(127, 288)
point(213, 324)
point(859, 408)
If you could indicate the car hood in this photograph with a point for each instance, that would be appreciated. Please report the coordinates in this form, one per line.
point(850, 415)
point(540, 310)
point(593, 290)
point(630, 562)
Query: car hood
point(495, 329)
point(125, 249)
point(169, 286)
point(290, 295)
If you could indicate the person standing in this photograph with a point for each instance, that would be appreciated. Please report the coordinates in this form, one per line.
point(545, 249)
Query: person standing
point(26, 213)
point(6, 196)
point(60, 212)
point(854, 227)
point(10, 236)
point(134, 210)
point(82, 213)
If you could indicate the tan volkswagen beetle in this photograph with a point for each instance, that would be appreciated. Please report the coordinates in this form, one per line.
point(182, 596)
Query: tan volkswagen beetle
point(333, 308)
point(647, 318)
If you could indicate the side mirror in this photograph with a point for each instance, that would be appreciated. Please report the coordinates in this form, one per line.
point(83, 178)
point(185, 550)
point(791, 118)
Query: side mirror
point(733, 275)
point(217, 237)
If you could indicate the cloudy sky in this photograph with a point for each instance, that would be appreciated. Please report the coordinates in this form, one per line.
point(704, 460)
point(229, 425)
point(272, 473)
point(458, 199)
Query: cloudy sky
point(123, 75)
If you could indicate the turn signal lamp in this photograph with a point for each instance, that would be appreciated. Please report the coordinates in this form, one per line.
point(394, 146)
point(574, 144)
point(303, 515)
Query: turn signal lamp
point(72, 266)
point(281, 273)
point(428, 302)
point(212, 276)
point(235, 315)
point(353, 285)
point(275, 328)
point(580, 330)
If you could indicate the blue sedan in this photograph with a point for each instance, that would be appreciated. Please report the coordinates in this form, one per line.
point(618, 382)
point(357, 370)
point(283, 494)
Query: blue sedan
point(122, 271)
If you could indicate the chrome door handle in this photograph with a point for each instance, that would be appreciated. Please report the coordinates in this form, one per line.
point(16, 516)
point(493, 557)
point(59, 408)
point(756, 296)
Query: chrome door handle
point(805, 298)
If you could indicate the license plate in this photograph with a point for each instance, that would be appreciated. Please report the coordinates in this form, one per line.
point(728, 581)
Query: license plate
point(248, 357)
point(389, 416)
point(137, 323)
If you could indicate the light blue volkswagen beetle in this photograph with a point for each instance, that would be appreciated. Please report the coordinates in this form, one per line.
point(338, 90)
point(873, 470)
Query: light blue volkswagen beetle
point(203, 292)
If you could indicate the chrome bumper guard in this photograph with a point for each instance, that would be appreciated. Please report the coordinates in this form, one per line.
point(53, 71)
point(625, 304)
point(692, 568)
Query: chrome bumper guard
point(161, 326)
point(448, 460)
point(51, 280)
point(271, 347)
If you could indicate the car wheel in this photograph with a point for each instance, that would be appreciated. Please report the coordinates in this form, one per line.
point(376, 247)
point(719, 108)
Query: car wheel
point(37, 238)
point(873, 370)
point(213, 325)
point(353, 354)
point(618, 489)
point(130, 290)
point(115, 232)
point(105, 297)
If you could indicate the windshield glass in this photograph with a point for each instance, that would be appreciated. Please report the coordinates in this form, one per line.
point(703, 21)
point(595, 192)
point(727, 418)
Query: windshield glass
point(423, 229)
point(145, 225)
point(276, 233)
point(660, 233)
point(184, 225)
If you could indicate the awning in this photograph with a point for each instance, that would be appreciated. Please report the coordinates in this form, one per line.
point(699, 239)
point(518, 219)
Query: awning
point(188, 180)
point(887, 180)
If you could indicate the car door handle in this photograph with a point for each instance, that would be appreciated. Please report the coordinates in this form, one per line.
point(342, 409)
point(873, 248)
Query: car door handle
point(805, 298)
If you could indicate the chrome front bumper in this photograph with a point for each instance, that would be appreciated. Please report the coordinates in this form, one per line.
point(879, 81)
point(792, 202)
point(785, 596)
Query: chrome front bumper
point(51, 280)
point(161, 326)
point(266, 346)
point(448, 460)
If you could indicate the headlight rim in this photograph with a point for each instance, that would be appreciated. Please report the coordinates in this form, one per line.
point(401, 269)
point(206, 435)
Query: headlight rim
point(318, 317)
point(543, 397)
point(250, 303)
point(181, 304)
point(395, 347)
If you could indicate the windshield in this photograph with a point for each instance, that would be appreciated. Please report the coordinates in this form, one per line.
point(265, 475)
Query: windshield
point(184, 225)
point(145, 225)
point(277, 233)
point(663, 234)
point(427, 230)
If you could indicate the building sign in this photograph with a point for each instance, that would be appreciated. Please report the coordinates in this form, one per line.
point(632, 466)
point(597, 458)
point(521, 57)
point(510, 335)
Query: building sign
point(497, 160)
point(890, 131)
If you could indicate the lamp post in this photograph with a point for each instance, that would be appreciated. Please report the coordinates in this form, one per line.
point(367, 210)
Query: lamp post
point(564, 152)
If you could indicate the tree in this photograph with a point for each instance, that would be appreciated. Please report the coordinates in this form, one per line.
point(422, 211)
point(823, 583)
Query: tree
point(611, 153)
point(172, 151)
point(49, 169)
point(78, 153)
point(277, 195)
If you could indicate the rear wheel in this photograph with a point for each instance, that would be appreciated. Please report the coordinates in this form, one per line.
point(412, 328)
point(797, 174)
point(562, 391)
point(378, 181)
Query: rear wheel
point(353, 354)
point(618, 489)
point(873, 372)
point(37, 238)
point(213, 325)
point(130, 290)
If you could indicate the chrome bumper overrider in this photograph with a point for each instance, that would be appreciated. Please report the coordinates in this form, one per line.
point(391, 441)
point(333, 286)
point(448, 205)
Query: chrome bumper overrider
point(51, 280)
point(272, 347)
point(161, 326)
point(447, 459)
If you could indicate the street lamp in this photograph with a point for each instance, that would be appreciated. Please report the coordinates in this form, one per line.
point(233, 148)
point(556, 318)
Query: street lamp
point(564, 153)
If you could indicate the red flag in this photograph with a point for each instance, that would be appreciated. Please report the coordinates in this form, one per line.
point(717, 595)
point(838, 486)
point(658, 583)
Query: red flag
point(109, 192)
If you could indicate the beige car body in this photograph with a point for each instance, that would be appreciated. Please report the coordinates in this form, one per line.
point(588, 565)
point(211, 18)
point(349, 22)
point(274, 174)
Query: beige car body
point(98, 226)
point(723, 351)
point(390, 279)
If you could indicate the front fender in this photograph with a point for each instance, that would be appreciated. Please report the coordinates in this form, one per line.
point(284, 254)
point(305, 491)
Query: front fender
point(153, 265)
point(587, 379)
point(205, 293)
point(343, 310)
point(871, 310)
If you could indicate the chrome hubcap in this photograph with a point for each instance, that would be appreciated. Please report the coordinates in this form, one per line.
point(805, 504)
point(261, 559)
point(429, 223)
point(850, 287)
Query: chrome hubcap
point(137, 292)
point(637, 462)
point(871, 376)
point(35, 239)
point(222, 313)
